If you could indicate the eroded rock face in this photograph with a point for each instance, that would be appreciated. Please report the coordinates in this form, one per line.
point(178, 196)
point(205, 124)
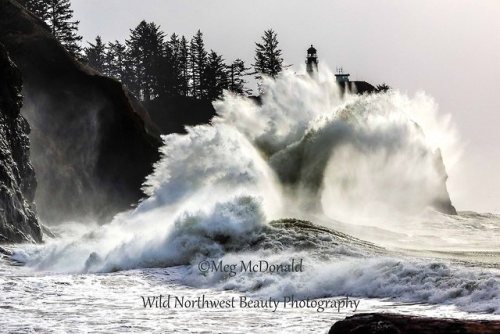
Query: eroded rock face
point(92, 143)
point(375, 323)
point(442, 203)
point(18, 220)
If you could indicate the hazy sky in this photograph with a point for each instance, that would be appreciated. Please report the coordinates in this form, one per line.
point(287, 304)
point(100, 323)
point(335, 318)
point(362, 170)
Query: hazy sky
point(450, 49)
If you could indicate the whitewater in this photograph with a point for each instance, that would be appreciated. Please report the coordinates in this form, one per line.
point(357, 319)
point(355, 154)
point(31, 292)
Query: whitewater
point(352, 185)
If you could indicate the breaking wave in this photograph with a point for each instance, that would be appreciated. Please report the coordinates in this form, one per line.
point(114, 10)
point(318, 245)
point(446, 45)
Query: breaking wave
point(306, 150)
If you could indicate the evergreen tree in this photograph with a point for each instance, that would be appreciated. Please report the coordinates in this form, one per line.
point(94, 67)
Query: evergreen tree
point(170, 71)
point(60, 20)
point(116, 62)
point(111, 68)
point(135, 51)
point(179, 58)
point(198, 62)
point(146, 50)
point(38, 7)
point(236, 72)
point(268, 59)
point(95, 55)
point(215, 76)
point(383, 88)
point(184, 67)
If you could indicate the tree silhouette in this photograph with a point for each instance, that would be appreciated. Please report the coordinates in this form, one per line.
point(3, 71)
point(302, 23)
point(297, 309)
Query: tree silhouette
point(184, 67)
point(145, 46)
point(151, 67)
point(215, 76)
point(37, 7)
point(174, 75)
point(236, 72)
point(62, 25)
point(116, 62)
point(198, 62)
point(268, 59)
point(95, 55)
point(382, 87)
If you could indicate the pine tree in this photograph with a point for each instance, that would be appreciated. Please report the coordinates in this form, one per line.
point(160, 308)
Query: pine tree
point(215, 77)
point(383, 87)
point(268, 59)
point(179, 58)
point(116, 63)
point(198, 62)
point(60, 20)
point(170, 72)
point(184, 67)
point(134, 55)
point(146, 51)
point(38, 8)
point(95, 55)
point(236, 72)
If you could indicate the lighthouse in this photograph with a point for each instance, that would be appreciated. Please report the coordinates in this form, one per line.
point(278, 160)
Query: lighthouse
point(312, 61)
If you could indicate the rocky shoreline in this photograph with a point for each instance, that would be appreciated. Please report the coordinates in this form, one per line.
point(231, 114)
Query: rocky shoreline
point(388, 323)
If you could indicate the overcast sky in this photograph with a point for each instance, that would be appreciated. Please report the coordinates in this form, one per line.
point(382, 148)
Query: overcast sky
point(450, 49)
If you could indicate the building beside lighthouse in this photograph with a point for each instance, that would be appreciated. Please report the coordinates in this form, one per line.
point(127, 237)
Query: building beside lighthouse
point(342, 78)
point(312, 61)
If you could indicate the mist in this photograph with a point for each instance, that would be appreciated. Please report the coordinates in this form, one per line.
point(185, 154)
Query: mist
point(308, 149)
point(443, 48)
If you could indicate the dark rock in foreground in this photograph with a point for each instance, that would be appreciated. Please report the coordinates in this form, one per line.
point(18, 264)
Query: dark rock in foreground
point(18, 220)
point(92, 142)
point(376, 323)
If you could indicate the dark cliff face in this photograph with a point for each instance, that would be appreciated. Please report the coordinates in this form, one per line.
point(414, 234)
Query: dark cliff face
point(442, 202)
point(18, 220)
point(375, 323)
point(172, 114)
point(92, 143)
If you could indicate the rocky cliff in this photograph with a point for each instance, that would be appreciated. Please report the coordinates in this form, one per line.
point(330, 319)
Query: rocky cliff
point(92, 143)
point(442, 202)
point(172, 114)
point(18, 220)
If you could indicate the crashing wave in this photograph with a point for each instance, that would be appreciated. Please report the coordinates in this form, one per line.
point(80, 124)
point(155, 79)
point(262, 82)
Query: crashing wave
point(306, 151)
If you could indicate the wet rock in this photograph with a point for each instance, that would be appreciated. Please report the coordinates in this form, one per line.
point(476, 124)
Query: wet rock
point(442, 203)
point(376, 323)
point(18, 219)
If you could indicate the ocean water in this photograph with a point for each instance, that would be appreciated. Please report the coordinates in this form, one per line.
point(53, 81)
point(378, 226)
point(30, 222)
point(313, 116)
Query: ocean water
point(342, 184)
point(110, 303)
point(454, 284)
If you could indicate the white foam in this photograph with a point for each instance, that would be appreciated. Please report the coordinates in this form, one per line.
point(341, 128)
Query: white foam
point(304, 150)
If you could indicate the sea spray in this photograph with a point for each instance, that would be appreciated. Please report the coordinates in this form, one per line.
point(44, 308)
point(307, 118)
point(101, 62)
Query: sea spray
point(349, 156)
point(305, 150)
